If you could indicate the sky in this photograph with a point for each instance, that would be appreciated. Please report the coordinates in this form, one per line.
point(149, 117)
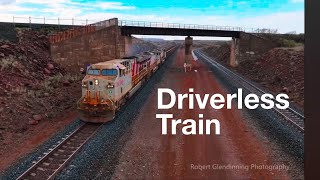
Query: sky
point(283, 15)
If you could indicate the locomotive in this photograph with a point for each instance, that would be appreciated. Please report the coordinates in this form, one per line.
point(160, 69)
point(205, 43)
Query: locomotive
point(108, 85)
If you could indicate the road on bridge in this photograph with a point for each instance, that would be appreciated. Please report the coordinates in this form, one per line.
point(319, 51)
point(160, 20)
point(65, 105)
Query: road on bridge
point(148, 154)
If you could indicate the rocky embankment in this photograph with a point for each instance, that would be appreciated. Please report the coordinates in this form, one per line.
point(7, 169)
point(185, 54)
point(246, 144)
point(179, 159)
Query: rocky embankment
point(37, 96)
point(281, 69)
point(33, 89)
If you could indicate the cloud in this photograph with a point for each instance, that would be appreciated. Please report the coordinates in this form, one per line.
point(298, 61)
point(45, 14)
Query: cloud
point(6, 2)
point(113, 5)
point(14, 8)
point(297, 1)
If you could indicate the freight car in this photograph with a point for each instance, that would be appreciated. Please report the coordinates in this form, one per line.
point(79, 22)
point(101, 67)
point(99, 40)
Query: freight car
point(108, 85)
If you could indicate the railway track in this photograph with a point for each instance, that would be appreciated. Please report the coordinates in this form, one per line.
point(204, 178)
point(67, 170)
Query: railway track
point(293, 117)
point(55, 160)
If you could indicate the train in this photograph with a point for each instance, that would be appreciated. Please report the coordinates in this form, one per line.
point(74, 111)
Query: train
point(108, 85)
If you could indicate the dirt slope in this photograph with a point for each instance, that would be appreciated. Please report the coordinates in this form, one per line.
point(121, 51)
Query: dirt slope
point(33, 90)
point(281, 69)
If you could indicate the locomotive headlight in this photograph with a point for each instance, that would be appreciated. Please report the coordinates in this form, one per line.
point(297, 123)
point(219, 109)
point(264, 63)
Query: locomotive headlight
point(84, 84)
point(96, 82)
point(84, 99)
point(110, 86)
point(102, 100)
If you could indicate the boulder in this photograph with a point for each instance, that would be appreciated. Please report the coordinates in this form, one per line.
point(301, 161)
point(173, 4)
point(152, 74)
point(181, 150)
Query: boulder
point(66, 83)
point(285, 90)
point(37, 117)
point(50, 66)
point(5, 46)
point(33, 122)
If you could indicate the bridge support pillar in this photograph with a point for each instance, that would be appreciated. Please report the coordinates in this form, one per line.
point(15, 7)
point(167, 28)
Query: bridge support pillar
point(234, 54)
point(188, 45)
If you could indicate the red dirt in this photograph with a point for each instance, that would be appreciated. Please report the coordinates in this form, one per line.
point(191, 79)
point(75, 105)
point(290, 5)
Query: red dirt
point(281, 69)
point(17, 147)
point(36, 95)
point(148, 154)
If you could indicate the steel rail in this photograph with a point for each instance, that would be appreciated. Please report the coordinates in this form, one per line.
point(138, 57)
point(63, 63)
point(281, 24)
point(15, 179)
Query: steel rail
point(60, 155)
point(291, 115)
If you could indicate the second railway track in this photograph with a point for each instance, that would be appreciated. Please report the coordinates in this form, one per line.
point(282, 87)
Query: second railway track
point(293, 117)
point(55, 160)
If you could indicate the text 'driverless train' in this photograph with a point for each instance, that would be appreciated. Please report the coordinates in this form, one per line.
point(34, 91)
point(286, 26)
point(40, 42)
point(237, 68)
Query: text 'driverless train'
point(108, 85)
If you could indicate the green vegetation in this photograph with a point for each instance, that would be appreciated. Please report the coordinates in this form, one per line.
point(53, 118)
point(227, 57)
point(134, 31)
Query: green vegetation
point(288, 43)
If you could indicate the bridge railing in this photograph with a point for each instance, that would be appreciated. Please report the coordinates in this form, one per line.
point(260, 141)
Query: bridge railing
point(105, 23)
point(195, 26)
point(177, 25)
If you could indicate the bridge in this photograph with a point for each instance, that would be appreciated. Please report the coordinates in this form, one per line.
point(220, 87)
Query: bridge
point(176, 29)
point(111, 39)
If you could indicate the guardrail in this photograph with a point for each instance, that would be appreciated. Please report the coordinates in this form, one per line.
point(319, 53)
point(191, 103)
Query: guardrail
point(176, 25)
point(55, 21)
point(97, 25)
point(194, 26)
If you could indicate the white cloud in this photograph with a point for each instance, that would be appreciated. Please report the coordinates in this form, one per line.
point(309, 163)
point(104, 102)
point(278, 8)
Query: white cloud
point(14, 8)
point(5, 2)
point(113, 5)
point(297, 1)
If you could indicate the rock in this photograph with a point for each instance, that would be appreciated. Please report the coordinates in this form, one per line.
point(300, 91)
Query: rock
point(46, 71)
point(5, 46)
point(50, 66)
point(66, 83)
point(46, 94)
point(37, 117)
point(1, 54)
point(33, 122)
point(285, 90)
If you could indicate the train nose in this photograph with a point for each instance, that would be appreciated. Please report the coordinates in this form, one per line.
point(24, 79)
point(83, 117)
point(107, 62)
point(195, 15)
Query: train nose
point(93, 84)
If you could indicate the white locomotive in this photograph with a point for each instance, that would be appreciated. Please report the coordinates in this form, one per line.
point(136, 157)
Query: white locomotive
point(108, 85)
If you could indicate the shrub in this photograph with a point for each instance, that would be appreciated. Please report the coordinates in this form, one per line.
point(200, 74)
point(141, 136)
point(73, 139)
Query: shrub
point(287, 43)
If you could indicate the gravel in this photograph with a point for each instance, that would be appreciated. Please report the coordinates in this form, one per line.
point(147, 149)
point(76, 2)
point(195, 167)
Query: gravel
point(286, 142)
point(26, 162)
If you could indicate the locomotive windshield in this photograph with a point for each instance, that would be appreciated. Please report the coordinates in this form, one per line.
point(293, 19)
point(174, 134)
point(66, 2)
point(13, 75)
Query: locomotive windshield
point(109, 72)
point(94, 72)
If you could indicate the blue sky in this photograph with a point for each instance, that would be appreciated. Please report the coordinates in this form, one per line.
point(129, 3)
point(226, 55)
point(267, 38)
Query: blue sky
point(284, 15)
